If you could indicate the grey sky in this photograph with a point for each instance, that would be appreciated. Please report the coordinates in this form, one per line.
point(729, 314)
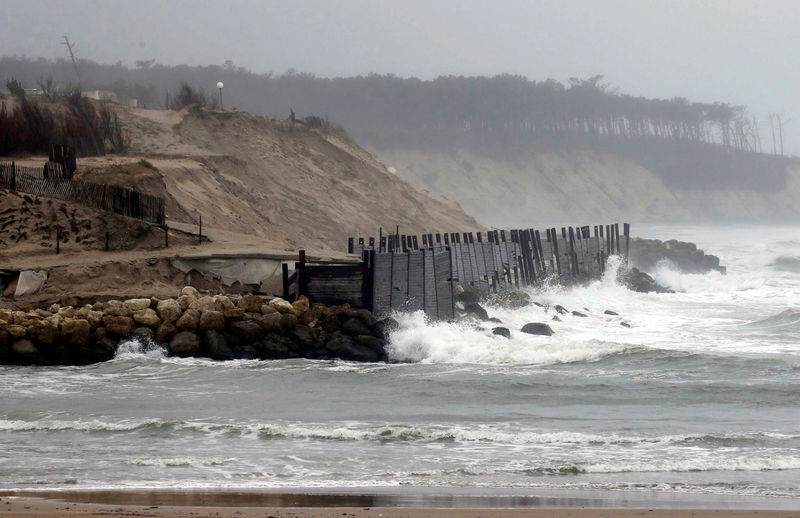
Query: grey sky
point(738, 51)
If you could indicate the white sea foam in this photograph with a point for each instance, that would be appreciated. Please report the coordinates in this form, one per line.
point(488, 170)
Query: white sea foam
point(194, 462)
point(141, 347)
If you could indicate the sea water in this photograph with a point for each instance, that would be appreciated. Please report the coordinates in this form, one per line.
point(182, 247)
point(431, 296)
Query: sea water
point(701, 394)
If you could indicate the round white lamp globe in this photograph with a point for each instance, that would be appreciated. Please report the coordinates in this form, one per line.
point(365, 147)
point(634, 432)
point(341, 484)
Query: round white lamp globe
point(220, 85)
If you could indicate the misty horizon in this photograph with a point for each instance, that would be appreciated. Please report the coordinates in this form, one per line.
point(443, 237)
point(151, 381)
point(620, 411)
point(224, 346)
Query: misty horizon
point(737, 52)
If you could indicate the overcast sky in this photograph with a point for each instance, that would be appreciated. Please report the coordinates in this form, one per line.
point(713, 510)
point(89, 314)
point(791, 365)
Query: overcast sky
point(737, 51)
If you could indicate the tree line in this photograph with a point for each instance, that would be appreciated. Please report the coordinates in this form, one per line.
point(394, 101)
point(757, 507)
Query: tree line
point(387, 107)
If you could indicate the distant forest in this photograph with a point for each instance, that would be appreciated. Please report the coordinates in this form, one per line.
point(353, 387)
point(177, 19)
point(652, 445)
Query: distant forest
point(496, 114)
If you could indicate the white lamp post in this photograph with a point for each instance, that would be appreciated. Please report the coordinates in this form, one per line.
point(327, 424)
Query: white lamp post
point(220, 85)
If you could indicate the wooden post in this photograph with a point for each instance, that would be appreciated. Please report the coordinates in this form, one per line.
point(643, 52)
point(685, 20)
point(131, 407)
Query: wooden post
point(616, 237)
point(554, 236)
point(627, 231)
point(349, 245)
point(439, 238)
point(200, 233)
point(285, 279)
point(301, 264)
point(13, 176)
point(480, 239)
point(166, 236)
point(572, 255)
point(106, 241)
point(58, 240)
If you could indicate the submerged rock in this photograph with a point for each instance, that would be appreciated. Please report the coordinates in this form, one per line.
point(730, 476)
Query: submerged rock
point(537, 328)
point(501, 331)
point(561, 310)
point(636, 280)
point(475, 309)
point(609, 312)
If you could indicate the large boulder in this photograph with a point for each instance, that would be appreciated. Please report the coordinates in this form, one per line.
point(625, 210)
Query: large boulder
point(222, 303)
point(246, 331)
point(355, 326)
point(184, 343)
point(95, 318)
point(147, 317)
point(165, 333)
point(346, 348)
point(304, 337)
point(118, 325)
point(17, 331)
point(212, 319)
point(204, 303)
point(476, 310)
point(363, 315)
point(275, 346)
point(301, 305)
point(234, 314)
point(271, 323)
point(6, 315)
point(636, 280)
point(288, 322)
point(75, 331)
point(250, 303)
point(281, 306)
point(116, 308)
point(169, 310)
point(537, 328)
point(217, 346)
point(43, 332)
point(371, 342)
point(190, 291)
point(189, 320)
point(134, 305)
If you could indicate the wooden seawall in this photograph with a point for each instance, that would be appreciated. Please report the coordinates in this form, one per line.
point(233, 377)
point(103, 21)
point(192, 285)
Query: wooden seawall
point(409, 273)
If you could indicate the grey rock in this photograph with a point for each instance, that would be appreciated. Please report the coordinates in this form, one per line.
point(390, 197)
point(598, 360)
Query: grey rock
point(355, 326)
point(217, 346)
point(475, 309)
point(501, 331)
point(537, 328)
point(185, 343)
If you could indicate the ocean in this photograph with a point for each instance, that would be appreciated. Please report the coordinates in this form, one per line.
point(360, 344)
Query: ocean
point(700, 395)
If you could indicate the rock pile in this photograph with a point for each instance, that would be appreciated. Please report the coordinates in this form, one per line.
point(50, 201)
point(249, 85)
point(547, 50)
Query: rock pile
point(218, 327)
point(645, 254)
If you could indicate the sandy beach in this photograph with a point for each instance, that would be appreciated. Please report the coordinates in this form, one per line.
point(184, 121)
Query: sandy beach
point(44, 508)
point(251, 504)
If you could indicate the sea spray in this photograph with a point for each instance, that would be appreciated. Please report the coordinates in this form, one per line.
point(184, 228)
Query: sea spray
point(139, 347)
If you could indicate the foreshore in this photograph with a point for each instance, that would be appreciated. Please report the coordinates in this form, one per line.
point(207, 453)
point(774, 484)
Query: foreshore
point(229, 504)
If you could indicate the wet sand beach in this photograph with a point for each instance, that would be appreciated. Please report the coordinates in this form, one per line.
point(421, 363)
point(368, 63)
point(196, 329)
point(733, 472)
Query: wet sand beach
point(227, 504)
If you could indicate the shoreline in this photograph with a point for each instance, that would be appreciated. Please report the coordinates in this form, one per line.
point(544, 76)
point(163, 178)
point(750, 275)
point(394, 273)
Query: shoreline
point(406, 498)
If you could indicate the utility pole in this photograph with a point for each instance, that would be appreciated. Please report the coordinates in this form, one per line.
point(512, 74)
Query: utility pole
point(780, 131)
point(71, 50)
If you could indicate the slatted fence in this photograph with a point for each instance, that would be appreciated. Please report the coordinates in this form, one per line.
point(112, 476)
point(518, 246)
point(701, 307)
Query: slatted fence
point(111, 198)
point(409, 273)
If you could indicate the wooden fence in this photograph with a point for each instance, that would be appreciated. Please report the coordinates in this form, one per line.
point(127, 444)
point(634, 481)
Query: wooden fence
point(111, 198)
point(411, 273)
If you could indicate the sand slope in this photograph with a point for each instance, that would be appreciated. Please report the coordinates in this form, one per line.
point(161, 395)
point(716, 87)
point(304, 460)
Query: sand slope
point(549, 186)
point(283, 182)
